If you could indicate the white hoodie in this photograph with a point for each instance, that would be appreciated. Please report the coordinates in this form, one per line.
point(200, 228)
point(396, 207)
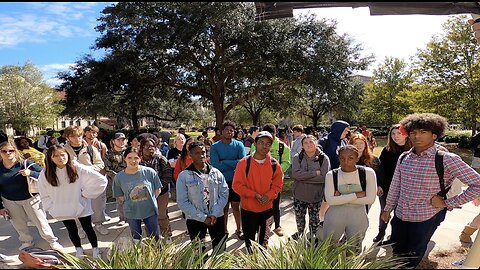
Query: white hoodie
point(71, 200)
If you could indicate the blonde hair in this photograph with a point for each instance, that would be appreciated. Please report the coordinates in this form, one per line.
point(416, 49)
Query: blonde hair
point(18, 154)
point(367, 155)
point(73, 131)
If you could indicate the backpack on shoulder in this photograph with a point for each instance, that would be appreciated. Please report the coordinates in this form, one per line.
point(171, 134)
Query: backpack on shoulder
point(440, 171)
point(361, 174)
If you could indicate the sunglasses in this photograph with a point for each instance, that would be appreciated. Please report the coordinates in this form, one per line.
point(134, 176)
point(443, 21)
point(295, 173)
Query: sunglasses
point(7, 151)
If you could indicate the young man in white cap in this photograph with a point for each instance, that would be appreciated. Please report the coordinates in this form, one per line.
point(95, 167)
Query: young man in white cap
point(257, 180)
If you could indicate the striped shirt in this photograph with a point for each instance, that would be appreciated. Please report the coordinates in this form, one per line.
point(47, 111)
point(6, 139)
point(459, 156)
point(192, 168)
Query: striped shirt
point(415, 182)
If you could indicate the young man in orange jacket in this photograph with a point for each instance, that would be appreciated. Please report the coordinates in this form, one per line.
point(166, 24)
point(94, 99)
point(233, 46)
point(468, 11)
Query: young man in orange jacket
point(258, 179)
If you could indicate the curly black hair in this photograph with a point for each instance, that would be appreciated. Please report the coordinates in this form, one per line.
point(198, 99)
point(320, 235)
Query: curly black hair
point(428, 121)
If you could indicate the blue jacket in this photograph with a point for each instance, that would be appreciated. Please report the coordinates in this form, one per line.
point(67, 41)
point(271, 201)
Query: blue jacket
point(334, 142)
point(190, 193)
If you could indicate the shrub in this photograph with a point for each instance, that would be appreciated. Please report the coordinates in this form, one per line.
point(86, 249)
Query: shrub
point(292, 254)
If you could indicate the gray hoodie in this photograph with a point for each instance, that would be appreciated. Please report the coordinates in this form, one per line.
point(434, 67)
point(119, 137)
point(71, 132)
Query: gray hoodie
point(308, 186)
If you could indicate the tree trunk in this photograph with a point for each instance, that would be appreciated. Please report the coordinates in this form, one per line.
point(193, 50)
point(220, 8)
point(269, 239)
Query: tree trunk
point(219, 114)
point(315, 119)
point(256, 118)
point(134, 118)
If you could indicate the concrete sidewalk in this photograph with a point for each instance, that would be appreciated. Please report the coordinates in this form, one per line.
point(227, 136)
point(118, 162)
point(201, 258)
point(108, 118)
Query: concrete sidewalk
point(444, 238)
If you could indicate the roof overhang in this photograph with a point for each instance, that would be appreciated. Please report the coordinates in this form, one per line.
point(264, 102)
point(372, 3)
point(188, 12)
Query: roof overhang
point(273, 10)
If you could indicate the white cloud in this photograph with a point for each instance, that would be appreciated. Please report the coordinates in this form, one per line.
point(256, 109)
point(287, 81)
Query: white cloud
point(51, 71)
point(41, 22)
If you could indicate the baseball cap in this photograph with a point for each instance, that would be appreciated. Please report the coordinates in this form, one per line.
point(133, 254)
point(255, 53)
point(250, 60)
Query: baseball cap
point(119, 135)
point(262, 134)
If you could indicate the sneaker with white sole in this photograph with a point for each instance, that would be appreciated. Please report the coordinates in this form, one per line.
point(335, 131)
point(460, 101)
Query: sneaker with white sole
point(95, 252)
point(81, 233)
point(101, 229)
point(79, 252)
point(56, 246)
point(4, 258)
point(25, 245)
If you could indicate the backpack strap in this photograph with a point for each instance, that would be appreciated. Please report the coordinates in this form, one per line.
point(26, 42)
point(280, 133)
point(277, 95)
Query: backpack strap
point(274, 166)
point(321, 157)
point(335, 178)
point(90, 152)
point(363, 177)
point(440, 172)
point(281, 148)
point(402, 157)
point(363, 181)
point(247, 168)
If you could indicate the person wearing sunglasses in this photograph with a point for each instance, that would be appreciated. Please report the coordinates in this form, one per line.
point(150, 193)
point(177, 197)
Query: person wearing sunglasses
point(16, 202)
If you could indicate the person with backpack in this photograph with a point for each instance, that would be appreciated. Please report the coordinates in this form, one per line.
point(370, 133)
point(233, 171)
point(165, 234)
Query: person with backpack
point(90, 134)
point(349, 190)
point(281, 152)
point(88, 155)
point(258, 180)
point(419, 187)
point(309, 168)
point(160, 164)
point(44, 141)
point(114, 163)
point(330, 143)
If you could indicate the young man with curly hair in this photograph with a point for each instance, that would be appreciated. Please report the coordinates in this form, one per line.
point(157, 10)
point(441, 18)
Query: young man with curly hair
point(415, 193)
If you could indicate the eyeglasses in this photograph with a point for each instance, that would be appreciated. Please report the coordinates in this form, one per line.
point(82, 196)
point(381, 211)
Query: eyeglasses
point(8, 151)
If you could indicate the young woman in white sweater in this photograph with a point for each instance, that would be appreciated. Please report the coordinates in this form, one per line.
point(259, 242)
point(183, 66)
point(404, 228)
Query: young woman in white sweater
point(66, 189)
point(347, 214)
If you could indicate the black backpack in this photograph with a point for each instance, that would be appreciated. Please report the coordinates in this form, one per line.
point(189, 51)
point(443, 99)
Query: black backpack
point(440, 171)
point(247, 169)
point(361, 174)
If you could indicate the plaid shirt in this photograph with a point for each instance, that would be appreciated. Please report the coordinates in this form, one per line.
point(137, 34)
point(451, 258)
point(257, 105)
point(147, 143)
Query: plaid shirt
point(415, 182)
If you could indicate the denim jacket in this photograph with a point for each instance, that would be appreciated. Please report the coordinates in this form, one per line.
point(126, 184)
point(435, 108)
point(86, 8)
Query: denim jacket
point(190, 193)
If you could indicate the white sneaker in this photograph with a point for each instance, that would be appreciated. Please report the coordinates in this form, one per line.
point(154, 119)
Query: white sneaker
point(81, 233)
point(108, 218)
point(56, 246)
point(96, 252)
point(25, 245)
point(4, 258)
point(101, 229)
point(79, 252)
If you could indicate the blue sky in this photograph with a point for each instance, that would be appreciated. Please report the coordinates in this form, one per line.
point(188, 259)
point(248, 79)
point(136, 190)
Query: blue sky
point(55, 35)
point(50, 35)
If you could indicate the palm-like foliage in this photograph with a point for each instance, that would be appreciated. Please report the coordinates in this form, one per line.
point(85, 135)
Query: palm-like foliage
point(301, 254)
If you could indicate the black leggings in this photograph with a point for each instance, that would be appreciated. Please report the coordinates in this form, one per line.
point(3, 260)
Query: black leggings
point(276, 211)
point(72, 229)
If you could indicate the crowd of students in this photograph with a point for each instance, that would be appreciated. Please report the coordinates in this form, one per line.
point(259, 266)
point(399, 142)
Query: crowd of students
point(336, 179)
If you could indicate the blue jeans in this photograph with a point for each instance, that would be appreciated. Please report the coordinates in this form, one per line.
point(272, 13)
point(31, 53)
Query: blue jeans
point(150, 222)
point(410, 239)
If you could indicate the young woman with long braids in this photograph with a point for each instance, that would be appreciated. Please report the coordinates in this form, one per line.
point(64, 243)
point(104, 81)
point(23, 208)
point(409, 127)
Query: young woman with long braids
point(66, 189)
